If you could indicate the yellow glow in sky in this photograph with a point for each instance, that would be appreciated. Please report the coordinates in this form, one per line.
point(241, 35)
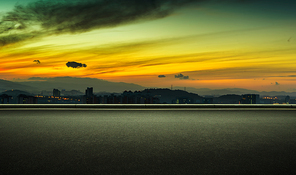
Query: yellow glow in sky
point(214, 46)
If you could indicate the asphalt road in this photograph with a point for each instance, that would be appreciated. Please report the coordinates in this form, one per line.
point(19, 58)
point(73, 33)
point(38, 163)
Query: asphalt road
point(59, 141)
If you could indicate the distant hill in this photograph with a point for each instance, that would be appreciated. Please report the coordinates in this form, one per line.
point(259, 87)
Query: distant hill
point(35, 85)
point(15, 93)
point(167, 95)
point(9, 85)
point(227, 99)
point(237, 91)
point(80, 84)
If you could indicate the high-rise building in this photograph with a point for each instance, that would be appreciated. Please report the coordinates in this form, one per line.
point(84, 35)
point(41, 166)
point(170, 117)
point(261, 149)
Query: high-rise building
point(89, 92)
point(89, 97)
point(56, 93)
point(287, 99)
point(5, 99)
point(26, 99)
point(250, 99)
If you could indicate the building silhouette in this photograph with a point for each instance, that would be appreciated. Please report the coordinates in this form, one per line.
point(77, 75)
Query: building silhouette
point(127, 97)
point(287, 99)
point(56, 93)
point(228, 99)
point(89, 97)
point(89, 92)
point(5, 99)
point(26, 99)
point(208, 100)
point(250, 99)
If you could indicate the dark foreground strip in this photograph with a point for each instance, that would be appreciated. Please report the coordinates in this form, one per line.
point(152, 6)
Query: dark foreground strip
point(149, 106)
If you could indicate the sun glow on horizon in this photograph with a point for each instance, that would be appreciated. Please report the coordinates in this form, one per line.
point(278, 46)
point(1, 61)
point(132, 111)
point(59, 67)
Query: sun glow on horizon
point(212, 45)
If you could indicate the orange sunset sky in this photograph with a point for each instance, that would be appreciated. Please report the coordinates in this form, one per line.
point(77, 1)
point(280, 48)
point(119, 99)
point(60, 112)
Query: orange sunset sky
point(224, 44)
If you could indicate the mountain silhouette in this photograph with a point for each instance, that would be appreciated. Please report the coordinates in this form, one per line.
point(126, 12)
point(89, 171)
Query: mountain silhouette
point(80, 84)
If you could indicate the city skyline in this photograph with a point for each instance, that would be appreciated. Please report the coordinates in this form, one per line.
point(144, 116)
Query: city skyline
point(146, 96)
point(191, 43)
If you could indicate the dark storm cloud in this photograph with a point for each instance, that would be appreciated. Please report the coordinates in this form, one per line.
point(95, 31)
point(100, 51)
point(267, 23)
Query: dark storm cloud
point(161, 76)
point(182, 77)
point(69, 16)
point(75, 64)
point(15, 38)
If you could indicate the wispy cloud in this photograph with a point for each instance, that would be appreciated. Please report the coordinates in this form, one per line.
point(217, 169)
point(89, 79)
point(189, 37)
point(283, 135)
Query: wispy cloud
point(129, 57)
point(244, 72)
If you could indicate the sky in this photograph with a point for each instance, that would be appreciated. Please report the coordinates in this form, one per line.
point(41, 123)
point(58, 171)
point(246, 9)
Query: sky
point(213, 44)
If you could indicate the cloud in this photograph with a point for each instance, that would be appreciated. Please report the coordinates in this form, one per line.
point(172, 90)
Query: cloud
point(276, 83)
point(15, 38)
point(48, 17)
point(182, 77)
point(75, 64)
point(37, 61)
point(161, 76)
point(60, 17)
